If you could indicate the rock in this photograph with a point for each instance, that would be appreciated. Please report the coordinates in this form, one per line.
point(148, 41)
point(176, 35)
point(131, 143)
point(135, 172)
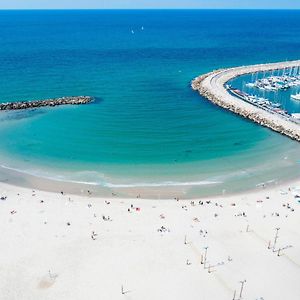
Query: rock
point(76, 100)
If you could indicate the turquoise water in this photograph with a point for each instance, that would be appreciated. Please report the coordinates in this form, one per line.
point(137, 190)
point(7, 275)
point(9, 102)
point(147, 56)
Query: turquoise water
point(146, 127)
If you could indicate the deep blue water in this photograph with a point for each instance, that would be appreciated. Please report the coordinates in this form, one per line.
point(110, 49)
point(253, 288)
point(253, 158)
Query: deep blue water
point(147, 125)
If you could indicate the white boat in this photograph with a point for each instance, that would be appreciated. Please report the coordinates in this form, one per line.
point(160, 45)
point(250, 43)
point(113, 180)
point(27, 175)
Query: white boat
point(296, 116)
point(296, 97)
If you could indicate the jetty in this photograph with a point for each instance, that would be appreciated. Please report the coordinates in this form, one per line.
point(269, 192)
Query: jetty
point(213, 86)
point(74, 100)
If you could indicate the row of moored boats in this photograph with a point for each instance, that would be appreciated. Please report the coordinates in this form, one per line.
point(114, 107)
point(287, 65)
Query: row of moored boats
point(263, 103)
point(288, 78)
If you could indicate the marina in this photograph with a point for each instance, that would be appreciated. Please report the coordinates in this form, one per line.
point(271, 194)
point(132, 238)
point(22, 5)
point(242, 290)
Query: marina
point(263, 103)
point(214, 86)
point(278, 80)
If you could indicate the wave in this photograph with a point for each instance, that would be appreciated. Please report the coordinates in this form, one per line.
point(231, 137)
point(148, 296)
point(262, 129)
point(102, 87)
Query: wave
point(115, 185)
point(163, 184)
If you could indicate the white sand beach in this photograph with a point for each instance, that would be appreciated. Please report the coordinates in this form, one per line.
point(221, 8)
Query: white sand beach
point(60, 246)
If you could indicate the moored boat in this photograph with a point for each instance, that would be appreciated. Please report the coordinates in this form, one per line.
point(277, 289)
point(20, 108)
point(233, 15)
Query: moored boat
point(296, 97)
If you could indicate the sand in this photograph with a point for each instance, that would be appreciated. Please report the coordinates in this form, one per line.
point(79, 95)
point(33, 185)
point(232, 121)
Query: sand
point(56, 246)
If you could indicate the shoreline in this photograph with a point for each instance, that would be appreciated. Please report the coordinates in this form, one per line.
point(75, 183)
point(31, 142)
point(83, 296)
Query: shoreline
point(76, 188)
point(29, 181)
point(212, 87)
point(270, 187)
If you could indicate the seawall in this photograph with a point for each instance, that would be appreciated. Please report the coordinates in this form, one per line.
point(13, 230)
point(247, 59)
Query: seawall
point(212, 87)
point(77, 100)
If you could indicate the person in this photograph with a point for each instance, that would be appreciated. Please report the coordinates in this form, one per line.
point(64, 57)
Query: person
point(93, 235)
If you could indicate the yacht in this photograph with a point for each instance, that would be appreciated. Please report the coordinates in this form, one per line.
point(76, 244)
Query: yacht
point(296, 97)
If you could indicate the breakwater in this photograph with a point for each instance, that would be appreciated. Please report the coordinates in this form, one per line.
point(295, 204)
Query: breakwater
point(76, 100)
point(212, 87)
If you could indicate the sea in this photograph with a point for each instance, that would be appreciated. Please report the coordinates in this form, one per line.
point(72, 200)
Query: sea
point(147, 132)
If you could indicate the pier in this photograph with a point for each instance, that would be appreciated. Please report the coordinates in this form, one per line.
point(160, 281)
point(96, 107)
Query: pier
point(212, 86)
point(76, 100)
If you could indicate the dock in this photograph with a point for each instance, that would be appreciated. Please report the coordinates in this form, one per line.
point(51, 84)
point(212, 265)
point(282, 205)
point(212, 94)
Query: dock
point(212, 86)
point(74, 100)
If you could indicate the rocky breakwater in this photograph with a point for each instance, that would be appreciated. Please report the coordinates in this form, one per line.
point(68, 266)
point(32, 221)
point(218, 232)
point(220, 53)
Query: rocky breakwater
point(212, 87)
point(76, 100)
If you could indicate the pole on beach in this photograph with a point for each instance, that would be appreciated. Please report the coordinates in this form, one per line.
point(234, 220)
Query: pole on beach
point(278, 253)
point(205, 257)
point(269, 245)
point(209, 271)
point(122, 290)
point(185, 240)
point(242, 287)
point(275, 239)
point(234, 295)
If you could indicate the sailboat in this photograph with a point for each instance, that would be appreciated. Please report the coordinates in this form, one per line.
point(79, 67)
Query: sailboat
point(296, 96)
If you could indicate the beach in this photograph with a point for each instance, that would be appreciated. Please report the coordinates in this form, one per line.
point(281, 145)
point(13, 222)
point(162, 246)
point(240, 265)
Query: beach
point(63, 246)
point(148, 192)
